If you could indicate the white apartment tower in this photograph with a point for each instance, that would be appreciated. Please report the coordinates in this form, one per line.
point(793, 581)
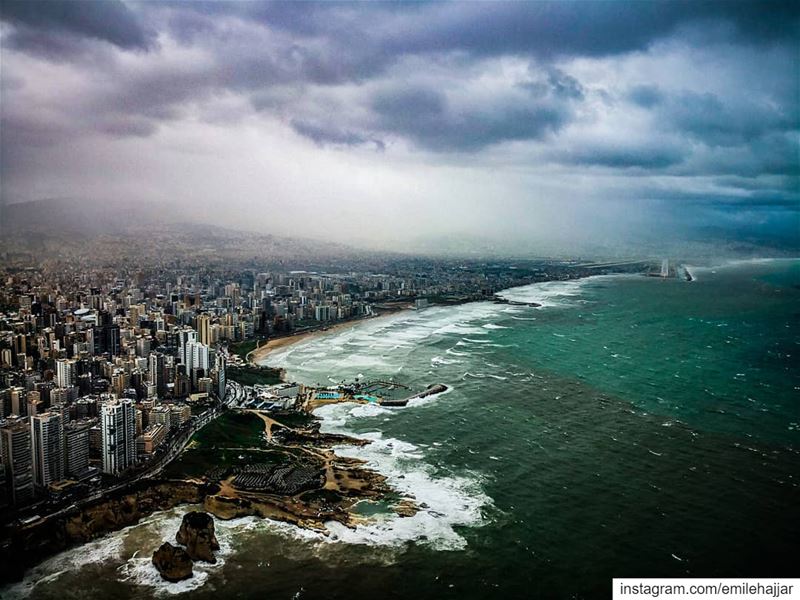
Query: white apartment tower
point(118, 430)
point(65, 372)
point(47, 436)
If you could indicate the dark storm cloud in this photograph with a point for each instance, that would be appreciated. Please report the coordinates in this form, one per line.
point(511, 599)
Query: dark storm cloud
point(707, 118)
point(367, 38)
point(326, 135)
point(109, 20)
point(524, 85)
point(620, 157)
point(731, 199)
point(527, 28)
point(426, 117)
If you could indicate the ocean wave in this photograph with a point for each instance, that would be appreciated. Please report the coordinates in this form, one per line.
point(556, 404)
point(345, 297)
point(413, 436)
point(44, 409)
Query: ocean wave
point(547, 293)
point(454, 353)
point(136, 569)
point(438, 360)
point(105, 549)
point(448, 501)
point(494, 326)
point(417, 402)
point(484, 376)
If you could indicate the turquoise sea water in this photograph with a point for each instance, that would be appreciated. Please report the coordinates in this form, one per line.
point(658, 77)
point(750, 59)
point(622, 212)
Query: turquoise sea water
point(631, 426)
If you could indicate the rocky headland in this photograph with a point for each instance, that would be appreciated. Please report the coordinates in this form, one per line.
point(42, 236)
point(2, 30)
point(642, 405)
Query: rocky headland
point(305, 483)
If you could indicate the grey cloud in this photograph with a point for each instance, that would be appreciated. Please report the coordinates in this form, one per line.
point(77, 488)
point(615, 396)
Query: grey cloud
point(646, 96)
point(432, 121)
point(730, 199)
point(368, 37)
point(348, 75)
point(647, 157)
point(580, 28)
point(110, 21)
point(328, 135)
point(715, 122)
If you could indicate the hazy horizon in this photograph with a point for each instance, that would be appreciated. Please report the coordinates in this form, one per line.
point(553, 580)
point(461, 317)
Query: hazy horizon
point(424, 127)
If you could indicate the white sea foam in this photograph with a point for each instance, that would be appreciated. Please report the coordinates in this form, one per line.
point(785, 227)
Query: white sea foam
point(438, 360)
point(136, 569)
point(448, 501)
point(417, 402)
point(389, 339)
point(454, 353)
point(105, 549)
point(484, 376)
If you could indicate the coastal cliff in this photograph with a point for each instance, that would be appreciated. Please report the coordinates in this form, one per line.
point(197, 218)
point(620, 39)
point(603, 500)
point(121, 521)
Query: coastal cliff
point(297, 479)
point(22, 547)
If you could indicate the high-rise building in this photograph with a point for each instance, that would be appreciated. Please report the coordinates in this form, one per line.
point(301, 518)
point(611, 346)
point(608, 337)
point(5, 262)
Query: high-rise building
point(47, 436)
point(65, 372)
point(18, 397)
point(76, 442)
point(142, 347)
point(204, 329)
point(4, 495)
point(118, 426)
point(157, 372)
point(18, 460)
point(34, 403)
point(196, 356)
point(220, 375)
point(185, 337)
point(161, 415)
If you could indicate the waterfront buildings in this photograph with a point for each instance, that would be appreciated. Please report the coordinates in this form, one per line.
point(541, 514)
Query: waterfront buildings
point(77, 448)
point(118, 427)
point(47, 436)
point(18, 461)
point(112, 344)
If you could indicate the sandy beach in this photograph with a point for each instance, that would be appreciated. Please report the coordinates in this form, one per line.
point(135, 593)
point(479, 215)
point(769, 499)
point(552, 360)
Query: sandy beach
point(256, 356)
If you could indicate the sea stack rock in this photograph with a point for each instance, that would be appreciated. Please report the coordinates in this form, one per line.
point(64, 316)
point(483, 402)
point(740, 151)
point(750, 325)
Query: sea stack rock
point(174, 564)
point(197, 534)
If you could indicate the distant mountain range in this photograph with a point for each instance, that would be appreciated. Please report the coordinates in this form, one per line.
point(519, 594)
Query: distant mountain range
point(68, 228)
point(77, 217)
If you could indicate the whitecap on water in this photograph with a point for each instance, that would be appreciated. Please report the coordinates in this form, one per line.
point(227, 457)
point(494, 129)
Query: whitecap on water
point(448, 500)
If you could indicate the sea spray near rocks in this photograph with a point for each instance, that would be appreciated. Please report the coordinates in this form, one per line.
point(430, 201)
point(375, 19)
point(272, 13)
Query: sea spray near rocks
point(447, 501)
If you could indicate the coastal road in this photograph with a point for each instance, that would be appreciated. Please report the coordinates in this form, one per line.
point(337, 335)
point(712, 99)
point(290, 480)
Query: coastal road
point(233, 394)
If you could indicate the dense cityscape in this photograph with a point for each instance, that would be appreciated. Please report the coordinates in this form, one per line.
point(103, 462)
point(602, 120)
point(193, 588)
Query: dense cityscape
point(103, 375)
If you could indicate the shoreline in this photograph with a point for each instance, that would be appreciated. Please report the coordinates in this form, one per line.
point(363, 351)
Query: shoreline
point(256, 356)
point(332, 485)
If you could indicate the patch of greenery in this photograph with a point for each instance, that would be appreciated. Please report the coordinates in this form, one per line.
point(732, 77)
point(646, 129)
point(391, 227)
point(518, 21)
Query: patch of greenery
point(197, 462)
point(293, 419)
point(243, 348)
point(232, 430)
point(254, 375)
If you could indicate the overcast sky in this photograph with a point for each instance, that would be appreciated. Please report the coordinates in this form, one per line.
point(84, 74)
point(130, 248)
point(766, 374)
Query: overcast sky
point(395, 123)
